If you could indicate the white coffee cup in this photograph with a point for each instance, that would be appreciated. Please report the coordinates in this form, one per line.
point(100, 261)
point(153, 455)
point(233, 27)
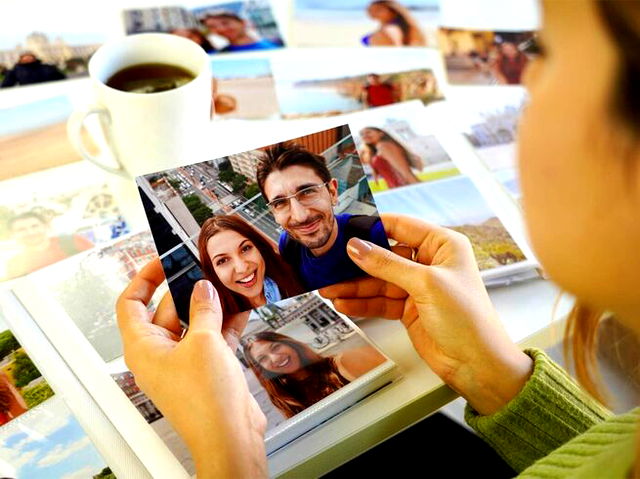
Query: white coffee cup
point(147, 132)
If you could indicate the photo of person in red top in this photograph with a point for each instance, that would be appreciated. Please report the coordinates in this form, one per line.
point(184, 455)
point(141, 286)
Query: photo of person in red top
point(38, 248)
point(378, 93)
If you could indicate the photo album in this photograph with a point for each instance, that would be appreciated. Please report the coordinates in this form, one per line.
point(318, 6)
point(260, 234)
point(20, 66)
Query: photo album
point(327, 133)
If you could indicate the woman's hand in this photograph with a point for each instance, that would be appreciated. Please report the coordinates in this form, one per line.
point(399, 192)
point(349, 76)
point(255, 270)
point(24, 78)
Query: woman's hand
point(441, 300)
point(196, 381)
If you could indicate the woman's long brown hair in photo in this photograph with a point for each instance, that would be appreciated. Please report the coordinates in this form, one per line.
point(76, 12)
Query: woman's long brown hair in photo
point(287, 393)
point(411, 33)
point(276, 268)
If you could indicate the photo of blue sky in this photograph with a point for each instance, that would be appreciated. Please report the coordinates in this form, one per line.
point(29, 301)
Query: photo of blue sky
point(47, 442)
point(241, 68)
point(31, 116)
point(449, 202)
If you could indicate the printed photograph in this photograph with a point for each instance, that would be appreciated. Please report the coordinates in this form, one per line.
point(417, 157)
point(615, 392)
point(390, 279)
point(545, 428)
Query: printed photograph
point(105, 272)
point(307, 88)
point(244, 89)
point(33, 137)
point(263, 225)
point(398, 148)
point(377, 23)
point(218, 27)
point(474, 57)
point(298, 352)
point(45, 56)
point(45, 219)
point(456, 203)
point(490, 123)
point(48, 442)
point(22, 386)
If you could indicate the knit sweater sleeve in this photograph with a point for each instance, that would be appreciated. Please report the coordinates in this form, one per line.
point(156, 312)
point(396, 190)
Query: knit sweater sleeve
point(550, 410)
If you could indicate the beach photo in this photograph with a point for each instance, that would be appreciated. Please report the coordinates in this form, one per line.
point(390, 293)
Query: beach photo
point(398, 147)
point(368, 23)
point(217, 26)
point(263, 225)
point(480, 57)
point(49, 220)
point(48, 442)
point(33, 137)
point(244, 89)
point(358, 80)
point(297, 353)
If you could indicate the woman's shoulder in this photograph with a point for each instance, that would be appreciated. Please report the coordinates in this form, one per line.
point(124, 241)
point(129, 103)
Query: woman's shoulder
point(353, 363)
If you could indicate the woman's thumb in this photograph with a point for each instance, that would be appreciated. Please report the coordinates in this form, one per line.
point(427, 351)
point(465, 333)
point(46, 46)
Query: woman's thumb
point(383, 264)
point(205, 311)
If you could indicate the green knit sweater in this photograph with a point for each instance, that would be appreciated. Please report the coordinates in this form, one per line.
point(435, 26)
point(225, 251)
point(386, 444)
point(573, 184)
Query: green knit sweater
point(553, 429)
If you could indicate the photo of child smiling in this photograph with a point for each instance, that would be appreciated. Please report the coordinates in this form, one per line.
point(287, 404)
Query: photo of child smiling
point(263, 225)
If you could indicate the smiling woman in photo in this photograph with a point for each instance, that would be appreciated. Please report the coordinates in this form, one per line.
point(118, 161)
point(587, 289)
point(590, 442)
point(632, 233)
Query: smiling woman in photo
point(242, 265)
point(295, 376)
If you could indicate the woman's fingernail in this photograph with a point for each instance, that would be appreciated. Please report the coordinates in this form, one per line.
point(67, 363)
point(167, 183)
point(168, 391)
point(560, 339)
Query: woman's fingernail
point(358, 248)
point(204, 291)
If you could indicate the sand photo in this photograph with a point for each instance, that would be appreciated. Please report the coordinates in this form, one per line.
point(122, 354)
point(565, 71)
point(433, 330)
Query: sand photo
point(359, 79)
point(263, 225)
point(244, 89)
point(352, 23)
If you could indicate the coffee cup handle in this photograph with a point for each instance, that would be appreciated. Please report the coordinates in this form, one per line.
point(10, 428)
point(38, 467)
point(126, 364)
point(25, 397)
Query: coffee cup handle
point(75, 125)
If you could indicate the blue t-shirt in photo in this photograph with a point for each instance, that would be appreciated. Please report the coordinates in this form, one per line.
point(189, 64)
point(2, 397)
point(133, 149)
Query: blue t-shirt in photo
point(335, 265)
point(261, 44)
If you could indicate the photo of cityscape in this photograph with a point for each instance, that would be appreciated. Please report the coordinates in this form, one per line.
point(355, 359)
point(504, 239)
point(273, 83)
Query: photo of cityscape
point(179, 201)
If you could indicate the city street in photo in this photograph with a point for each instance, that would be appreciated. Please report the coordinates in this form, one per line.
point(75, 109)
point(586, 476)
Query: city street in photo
point(263, 225)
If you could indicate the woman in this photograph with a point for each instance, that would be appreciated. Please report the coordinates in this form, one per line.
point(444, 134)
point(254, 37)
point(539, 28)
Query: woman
point(295, 376)
point(243, 266)
point(579, 156)
point(196, 36)
point(235, 30)
point(387, 157)
point(508, 65)
point(11, 402)
point(398, 28)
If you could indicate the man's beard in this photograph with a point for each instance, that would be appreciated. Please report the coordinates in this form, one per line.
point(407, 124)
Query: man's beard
point(315, 243)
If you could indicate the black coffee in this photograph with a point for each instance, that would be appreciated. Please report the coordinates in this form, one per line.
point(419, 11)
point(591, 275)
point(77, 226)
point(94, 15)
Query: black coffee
point(150, 78)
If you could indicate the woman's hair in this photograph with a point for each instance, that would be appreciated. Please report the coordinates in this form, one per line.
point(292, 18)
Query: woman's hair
point(275, 266)
point(411, 32)
point(292, 395)
point(621, 20)
point(371, 150)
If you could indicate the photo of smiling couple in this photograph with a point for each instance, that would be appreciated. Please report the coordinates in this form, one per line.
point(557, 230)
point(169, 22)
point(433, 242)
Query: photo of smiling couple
point(272, 223)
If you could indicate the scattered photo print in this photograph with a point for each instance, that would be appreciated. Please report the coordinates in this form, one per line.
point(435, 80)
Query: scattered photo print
point(398, 148)
point(474, 57)
point(33, 137)
point(307, 88)
point(217, 26)
point(47, 442)
point(369, 23)
point(244, 89)
point(52, 215)
point(46, 44)
point(263, 225)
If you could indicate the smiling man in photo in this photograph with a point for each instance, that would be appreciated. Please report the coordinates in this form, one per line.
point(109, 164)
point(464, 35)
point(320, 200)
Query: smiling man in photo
point(301, 194)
